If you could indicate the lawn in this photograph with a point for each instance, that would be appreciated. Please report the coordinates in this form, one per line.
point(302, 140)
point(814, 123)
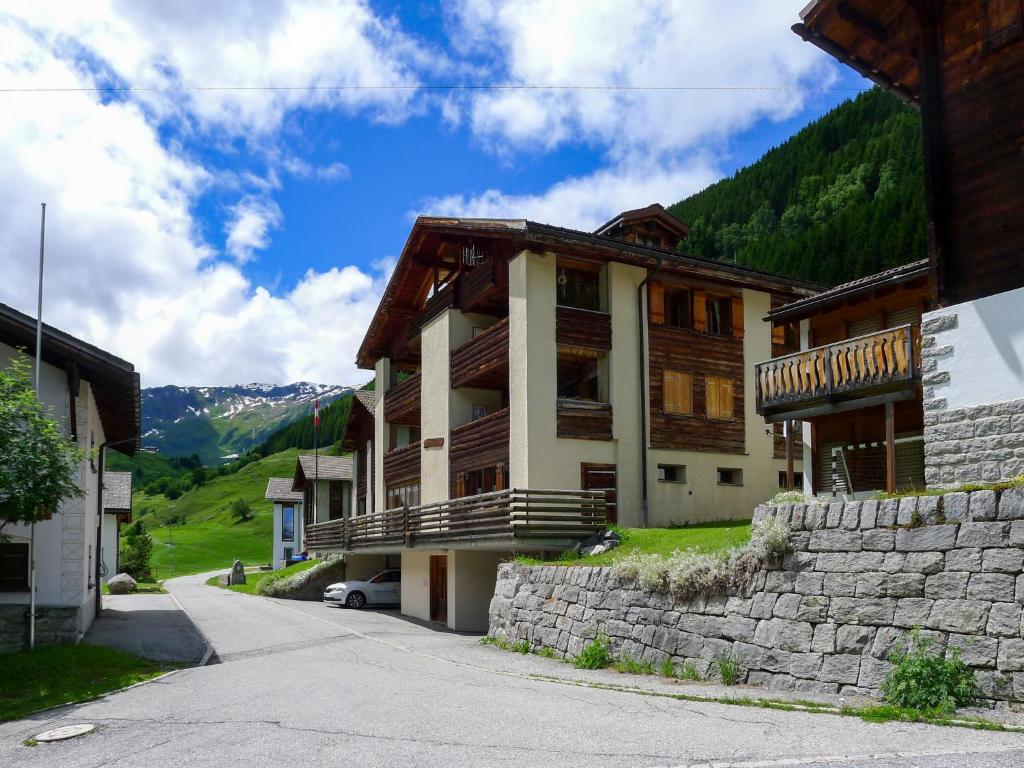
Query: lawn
point(61, 674)
point(211, 538)
point(705, 537)
point(253, 579)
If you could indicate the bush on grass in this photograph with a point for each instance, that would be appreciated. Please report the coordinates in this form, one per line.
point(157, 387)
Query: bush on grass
point(595, 655)
point(929, 681)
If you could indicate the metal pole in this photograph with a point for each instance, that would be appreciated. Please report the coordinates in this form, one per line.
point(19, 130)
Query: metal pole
point(39, 356)
point(170, 550)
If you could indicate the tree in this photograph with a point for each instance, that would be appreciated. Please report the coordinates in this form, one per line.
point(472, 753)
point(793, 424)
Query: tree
point(40, 466)
point(136, 551)
point(241, 510)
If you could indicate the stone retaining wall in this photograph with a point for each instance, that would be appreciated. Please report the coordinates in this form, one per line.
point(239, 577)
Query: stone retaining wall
point(54, 625)
point(861, 575)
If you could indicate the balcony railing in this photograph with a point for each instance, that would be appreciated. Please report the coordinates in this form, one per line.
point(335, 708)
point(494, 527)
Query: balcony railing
point(445, 298)
point(516, 518)
point(480, 443)
point(402, 402)
point(584, 420)
point(483, 360)
point(875, 364)
point(583, 328)
point(402, 464)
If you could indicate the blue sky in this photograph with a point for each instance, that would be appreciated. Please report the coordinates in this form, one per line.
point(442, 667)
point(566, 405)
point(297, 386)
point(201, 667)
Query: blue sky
point(227, 236)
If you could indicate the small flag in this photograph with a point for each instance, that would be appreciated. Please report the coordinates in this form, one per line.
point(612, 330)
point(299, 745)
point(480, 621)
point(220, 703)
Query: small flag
point(316, 412)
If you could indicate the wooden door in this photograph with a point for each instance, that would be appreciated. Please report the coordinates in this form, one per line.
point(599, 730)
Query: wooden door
point(601, 477)
point(439, 588)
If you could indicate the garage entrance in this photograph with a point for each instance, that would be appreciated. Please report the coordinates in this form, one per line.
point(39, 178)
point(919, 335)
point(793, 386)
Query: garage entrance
point(439, 588)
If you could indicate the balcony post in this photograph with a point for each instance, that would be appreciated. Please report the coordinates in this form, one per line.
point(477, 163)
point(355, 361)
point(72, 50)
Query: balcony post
point(789, 455)
point(890, 448)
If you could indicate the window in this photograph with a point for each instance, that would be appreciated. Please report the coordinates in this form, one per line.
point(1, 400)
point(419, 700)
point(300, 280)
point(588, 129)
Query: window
point(13, 567)
point(729, 476)
point(479, 411)
point(677, 395)
point(719, 315)
point(671, 473)
point(718, 397)
point(483, 480)
point(798, 480)
point(288, 523)
point(582, 374)
point(677, 309)
point(407, 495)
point(388, 577)
point(579, 288)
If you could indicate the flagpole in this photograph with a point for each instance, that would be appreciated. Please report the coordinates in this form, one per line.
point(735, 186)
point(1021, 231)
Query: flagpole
point(316, 457)
point(39, 365)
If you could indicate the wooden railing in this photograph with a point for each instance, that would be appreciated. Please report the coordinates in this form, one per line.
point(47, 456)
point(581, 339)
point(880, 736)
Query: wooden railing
point(402, 402)
point(584, 420)
point(517, 514)
point(583, 328)
point(438, 303)
point(872, 362)
point(483, 360)
point(480, 443)
point(480, 286)
point(402, 464)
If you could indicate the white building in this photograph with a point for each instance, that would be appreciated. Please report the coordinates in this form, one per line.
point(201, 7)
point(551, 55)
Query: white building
point(287, 520)
point(94, 398)
point(117, 511)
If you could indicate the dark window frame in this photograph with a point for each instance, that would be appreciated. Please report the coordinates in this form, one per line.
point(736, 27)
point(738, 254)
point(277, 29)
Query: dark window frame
point(9, 580)
point(675, 317)
point(287, 532)
point(719, 323)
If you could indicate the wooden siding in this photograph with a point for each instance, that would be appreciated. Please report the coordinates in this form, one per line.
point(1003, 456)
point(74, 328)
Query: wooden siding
point(361, 456)
point(583, 328)
point(484, 288)
point(483, 360)
point(478, 444)
point(402, 402)
point(402, 465)
point(699, 355)
point(584, 420)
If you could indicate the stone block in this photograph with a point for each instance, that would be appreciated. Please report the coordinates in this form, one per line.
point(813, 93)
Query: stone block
point(776, 660)
point(1004, 620)
point(839, 584)
point(937, 322)
point(995, 685)
point(887, 640)
point(954, 506)
point(855, 562)
point(763, 605)
point(874, 611)
point(888, 511)
point(871, 585)
point(736, 606)
point(963, 616)
point(948, 585)
point(975, 650)
point(982, 507)
point(824, 640)
point(983, 534)
point(894, 562)
point(835, 541)
point(738, 628)
point(931, 538)
point(968, 560)
point(799, 561)
point(780, 581)
point(872, 672)
point(815, 516)
point(1018, 592)
point(929, 509)
point(869, 515)
point(840, 668)
point(689, 644)
point(912, 612)
point(854, 639)
point(786, 606)
point(1017, 533)
point(759, 679)
point(904, 584)
point(1011, 655)
point(809, 583)
point(851, 515)
point(1003, 561)
point(813, 609)
point(795, 636)
point(782, 682)
point(879, 540)
point(805, 665)
point(907, 510)
point(750, 656)
point(814, 686)
point(993, 587)
point(1011, 504)
point(834, 516)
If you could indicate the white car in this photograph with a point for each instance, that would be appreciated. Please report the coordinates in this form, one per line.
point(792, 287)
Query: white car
point(383, 589)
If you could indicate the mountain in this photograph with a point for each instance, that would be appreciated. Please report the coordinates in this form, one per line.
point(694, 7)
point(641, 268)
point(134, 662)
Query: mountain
point(842, 198)
point(299, 433)
point(216, 423)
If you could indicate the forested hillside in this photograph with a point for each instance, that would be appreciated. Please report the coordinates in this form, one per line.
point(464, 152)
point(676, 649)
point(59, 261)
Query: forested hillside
point(299, 433)
point(842, 198)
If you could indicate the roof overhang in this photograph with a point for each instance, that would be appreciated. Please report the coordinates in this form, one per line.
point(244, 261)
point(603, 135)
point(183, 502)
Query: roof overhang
point(115, 383)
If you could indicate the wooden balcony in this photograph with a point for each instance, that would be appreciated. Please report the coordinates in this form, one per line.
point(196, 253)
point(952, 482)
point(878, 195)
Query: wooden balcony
point(857, 373)
point(446, 298)
point(402, 465)
point(584, 420)
point(583, 328)
point(484, 288)
point(483, 360)
point(480, 443)
point(516, 519)
point(402, 402)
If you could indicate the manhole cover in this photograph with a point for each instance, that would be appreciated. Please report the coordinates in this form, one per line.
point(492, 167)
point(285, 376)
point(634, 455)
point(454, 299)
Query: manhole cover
point(65, 732)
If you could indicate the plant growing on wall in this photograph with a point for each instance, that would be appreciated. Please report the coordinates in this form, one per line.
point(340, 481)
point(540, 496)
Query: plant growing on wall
point(40, 465)
point(928, 681)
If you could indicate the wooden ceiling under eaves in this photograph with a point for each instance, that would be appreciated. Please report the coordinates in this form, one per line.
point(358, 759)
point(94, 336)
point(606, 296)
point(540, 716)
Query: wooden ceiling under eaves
point(875, 37)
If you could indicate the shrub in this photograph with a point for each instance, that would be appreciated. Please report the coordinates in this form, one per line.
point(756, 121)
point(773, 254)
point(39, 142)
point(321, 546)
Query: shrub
point(929, 681)
point(595, 655)
point(241, 510)
point(668, 669)
point(633, 666)
point(689, 671)
point(136, 551)
point(523, 647)
point(786, 497)
point(729, 669)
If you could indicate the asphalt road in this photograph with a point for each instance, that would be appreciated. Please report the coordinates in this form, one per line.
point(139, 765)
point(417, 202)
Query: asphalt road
point(307, 685)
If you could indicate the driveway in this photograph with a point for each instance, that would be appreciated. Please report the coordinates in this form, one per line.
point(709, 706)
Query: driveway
point(304, 684)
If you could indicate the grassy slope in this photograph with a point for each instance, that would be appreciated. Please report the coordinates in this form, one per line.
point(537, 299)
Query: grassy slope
point(211, 538)
point(707, 537)
point(252, 580)
point(59, 674)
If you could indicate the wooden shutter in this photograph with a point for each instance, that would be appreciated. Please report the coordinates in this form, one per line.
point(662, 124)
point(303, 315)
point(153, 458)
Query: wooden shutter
point(656, 297)
point(718, 397)
point(460, 485)
point(725, 399)
point(700, 311)
point(778, 334)
point(737, 317)
point(677, 389)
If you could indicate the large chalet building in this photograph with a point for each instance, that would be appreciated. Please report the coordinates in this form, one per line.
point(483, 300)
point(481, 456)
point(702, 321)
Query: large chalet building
point(605, 369)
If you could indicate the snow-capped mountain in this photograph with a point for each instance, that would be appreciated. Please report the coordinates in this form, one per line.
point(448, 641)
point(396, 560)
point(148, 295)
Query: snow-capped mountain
point(219, 422)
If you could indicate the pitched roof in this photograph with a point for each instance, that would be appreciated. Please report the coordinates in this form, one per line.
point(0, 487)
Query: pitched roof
point(655, 211)
point(894, 276)
point(325, 467)
point(117, 491)
point(368, 398)
point(280, 489)
point(115, 383)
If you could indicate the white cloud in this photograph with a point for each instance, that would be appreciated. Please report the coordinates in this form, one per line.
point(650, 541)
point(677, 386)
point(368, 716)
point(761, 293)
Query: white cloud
point(583, 202)
point(250, 225)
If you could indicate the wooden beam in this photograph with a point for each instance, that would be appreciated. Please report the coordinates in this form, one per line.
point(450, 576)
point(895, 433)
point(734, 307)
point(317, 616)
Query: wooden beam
point(789, 455)
point(868, 25)
point(890, 448)
point(841, 407)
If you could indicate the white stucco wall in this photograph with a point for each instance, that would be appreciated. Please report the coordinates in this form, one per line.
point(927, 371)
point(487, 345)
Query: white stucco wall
point(986, 362)
point(279, 546)
point(382, 379)
point(416, 583)
point(471, 577)
point(435, 405)
point(108, 552)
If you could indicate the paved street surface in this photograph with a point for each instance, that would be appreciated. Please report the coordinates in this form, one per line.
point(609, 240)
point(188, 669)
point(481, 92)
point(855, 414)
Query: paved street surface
point(304, 684)
point(152, 626)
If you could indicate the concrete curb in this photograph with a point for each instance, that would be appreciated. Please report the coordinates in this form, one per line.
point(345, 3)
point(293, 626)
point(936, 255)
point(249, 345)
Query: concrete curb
point(210, 652)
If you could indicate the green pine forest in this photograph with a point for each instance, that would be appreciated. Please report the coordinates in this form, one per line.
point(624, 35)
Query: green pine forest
point(842, 198)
